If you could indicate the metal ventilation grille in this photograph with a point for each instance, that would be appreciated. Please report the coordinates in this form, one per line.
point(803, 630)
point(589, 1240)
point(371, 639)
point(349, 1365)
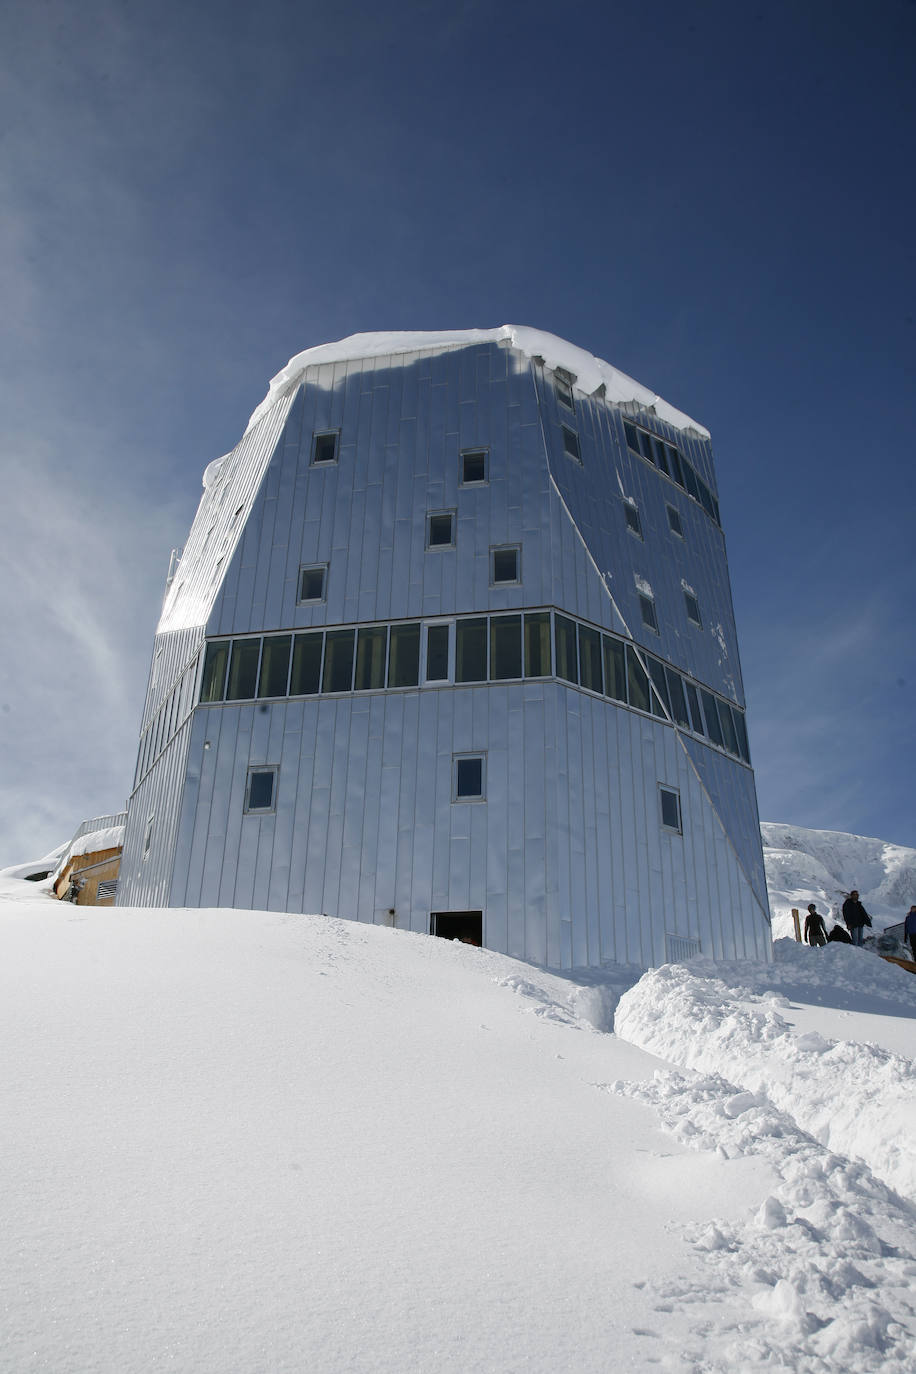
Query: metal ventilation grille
point(107, 888)
point(678, 948)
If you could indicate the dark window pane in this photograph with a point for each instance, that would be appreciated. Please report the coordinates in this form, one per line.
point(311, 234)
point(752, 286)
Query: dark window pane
point(275, 666)
point(674, 521)
point(404, 656)
point(693, 702)
point(306, 675)
point(565, 648)
point(637, 681)
point(505, 565)
point(671, 809)
point(590, 659)
point(713, 728)
point(632, 436)
point(690, 481)
point(564, 393)
point(326, 448)
point(214, 678)
point(660, 683)
point(243, 669)
point(471, 650)
point(615, 673)
point(469, 777)
point(437, 653)
point(661, 456)
point(741, 731)
point(674, 462)
point(311, 584)
point(505, 647)
point(474, 467)
point(338, 661)
point(647, 610)
point(537, 644)
point(715, 509)
point(441, 530)
point(706, 499)
point(370, 658)
point(632, 518)
point(571, 444)
point(693, 608)
point(676, 697)
point(728, 727)
point(261, 791)
point(645, 445)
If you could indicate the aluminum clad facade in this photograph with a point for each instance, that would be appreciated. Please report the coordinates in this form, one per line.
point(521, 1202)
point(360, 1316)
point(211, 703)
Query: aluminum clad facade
point(567, 849)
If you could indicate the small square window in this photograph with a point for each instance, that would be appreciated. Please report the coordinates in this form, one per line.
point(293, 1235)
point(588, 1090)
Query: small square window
point(474, 467)
point(564, 391)
point(693, 608)
point(469, 778)
point(671, 808)
point(325, 446)
point(674, 522)
point(647, 610)
point(571, 444)
point(504, 567)
point(259, 795)
point(440, 530)
point(632, 518)
point(312, 583)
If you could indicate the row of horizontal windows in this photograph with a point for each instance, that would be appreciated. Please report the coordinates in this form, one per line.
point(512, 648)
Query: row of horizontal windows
point(673, 464)
point(169, 718)
point(664, 456)
point(496, 648)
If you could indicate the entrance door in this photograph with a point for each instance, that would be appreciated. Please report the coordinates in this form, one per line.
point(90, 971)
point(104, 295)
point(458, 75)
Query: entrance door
point(466, 926)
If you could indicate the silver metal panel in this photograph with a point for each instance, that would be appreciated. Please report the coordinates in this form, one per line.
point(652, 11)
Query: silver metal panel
point(566, 857)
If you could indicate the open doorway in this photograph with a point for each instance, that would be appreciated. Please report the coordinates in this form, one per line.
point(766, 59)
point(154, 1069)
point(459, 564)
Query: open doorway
point(466, 926)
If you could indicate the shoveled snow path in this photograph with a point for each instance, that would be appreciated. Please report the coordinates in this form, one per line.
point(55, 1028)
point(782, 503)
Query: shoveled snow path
point(857, 1099)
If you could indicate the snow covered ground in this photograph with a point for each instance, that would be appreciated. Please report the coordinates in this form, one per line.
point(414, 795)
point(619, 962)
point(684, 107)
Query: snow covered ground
point(248, 1141)
point(823, 866)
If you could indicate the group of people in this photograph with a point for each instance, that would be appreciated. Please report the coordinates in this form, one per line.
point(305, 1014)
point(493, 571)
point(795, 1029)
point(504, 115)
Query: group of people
point(855, 918)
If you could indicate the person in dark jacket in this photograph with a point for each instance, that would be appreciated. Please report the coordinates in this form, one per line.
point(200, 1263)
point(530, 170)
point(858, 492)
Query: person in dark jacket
point(909, 928)
point(815, 930)
point(838, 934)
point(855, 917)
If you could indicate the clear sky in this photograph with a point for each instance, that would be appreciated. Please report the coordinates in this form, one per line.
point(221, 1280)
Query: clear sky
point(717, 198)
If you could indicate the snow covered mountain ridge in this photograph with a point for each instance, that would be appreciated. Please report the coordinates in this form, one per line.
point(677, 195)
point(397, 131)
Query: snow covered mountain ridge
point(822, 866)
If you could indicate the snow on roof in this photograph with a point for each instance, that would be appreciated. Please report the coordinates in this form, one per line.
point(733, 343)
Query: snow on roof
point(94, 842)
point(590, 373)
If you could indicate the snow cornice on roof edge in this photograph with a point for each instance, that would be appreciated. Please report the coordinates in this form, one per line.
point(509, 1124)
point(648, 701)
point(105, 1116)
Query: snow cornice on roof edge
point(591, 373)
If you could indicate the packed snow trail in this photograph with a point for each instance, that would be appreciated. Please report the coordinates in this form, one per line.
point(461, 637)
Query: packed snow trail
point(821, 1273)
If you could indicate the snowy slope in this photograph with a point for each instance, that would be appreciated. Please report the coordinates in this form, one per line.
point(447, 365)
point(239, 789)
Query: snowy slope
point(249, 1141)
point(822, 866)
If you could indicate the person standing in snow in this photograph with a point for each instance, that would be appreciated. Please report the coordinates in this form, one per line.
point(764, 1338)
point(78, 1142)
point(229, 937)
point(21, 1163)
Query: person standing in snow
point(909, 928)
point(856, 917)
point(815, 930)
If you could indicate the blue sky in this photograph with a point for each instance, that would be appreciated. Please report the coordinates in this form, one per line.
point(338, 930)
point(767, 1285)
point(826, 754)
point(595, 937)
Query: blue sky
point(716, 198)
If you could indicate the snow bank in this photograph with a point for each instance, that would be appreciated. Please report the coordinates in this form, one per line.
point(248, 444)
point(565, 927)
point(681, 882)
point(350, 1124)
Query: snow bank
point(591, 373)
point(858, 1100)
